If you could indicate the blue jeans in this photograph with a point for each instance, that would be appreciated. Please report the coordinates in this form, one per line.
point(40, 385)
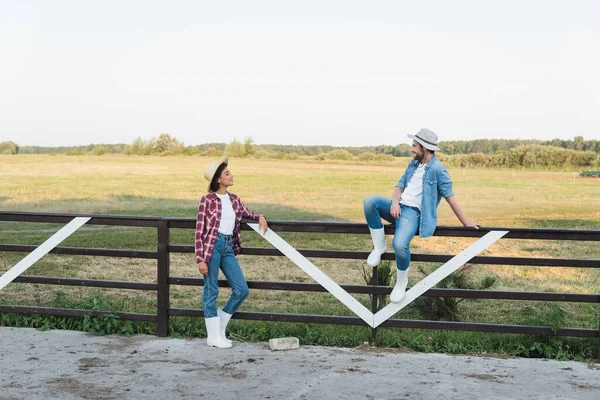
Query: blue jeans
point(407, 225)
point(223, 258)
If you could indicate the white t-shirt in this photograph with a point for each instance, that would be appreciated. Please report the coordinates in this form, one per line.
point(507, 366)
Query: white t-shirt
point(227, 215)
point(413, 192)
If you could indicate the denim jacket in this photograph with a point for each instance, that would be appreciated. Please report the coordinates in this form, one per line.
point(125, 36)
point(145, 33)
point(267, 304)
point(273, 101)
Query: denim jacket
point(436, 184)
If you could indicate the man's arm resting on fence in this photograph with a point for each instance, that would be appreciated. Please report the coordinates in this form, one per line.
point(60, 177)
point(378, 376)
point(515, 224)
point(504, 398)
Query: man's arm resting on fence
point(459, 213)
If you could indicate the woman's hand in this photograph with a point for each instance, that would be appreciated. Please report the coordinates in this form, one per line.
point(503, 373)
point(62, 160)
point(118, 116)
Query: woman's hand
point(262, 222)
point(203, 268)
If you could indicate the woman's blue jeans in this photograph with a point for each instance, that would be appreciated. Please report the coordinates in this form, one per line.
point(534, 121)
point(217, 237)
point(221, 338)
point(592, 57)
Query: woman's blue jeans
point(223, 258)
point(407, 225)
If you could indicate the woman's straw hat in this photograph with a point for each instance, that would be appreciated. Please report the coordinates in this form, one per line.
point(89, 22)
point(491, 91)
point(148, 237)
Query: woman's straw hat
point(209, 172)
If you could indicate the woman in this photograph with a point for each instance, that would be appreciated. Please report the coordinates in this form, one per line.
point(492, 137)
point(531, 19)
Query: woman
point(218, 241)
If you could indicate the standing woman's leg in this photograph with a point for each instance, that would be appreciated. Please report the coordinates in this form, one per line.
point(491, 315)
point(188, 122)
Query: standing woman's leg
point(235, 277)
point(211, 281)
point(209, 298)
point(239, 287)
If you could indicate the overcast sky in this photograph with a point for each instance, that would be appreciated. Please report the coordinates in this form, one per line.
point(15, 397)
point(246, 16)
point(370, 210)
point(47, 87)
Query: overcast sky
point(306, 72)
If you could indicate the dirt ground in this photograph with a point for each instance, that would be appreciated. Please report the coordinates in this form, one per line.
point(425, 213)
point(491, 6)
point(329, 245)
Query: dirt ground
point(75, 365)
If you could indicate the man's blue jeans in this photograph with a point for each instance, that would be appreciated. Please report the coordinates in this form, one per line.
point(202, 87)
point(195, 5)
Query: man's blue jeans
point(223, 258)
point(407, 225)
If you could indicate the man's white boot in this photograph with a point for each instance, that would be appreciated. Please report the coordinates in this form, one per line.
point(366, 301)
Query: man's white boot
point(400, 286)
point(223, 321)
point(214, 334)
point(379, 247)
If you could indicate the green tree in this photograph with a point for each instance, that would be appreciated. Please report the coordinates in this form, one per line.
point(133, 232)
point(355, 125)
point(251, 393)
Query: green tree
point(164, 143)
point(9, 148)
point(138, 147)
point(249, 146)
point(235, 149)
point(100, 150)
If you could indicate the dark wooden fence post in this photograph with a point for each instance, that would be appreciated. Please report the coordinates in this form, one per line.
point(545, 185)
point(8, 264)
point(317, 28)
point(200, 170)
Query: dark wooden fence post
point(374, 303)
point(162, 279)
point(598, 342)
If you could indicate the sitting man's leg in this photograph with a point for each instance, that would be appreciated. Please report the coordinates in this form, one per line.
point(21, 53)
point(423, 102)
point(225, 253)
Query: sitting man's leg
point(407, 226)
point(377, 207)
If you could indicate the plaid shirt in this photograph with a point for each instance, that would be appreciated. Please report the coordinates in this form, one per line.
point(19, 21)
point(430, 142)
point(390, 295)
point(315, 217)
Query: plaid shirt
point(208, 220)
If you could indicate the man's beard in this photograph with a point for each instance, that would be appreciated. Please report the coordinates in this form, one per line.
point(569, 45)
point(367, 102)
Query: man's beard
point(419, 157)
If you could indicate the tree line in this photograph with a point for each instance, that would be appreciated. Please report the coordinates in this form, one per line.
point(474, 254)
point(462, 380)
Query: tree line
point(528, 156)
point(165, 144)
point(487, 153)
point(496, 146)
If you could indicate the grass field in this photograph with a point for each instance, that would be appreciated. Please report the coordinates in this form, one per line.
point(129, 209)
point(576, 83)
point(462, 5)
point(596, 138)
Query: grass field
point(296, 190)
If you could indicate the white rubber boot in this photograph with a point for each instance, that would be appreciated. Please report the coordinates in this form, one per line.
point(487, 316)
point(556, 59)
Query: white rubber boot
point(400, 286)
point(223, 321)
point(379, 247)
point(214, 335)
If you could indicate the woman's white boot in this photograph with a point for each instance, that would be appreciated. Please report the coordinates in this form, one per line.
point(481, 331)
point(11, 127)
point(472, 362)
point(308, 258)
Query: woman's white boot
point(223, 321)
point(214, 335)
point(400, 286)
point(379, 247)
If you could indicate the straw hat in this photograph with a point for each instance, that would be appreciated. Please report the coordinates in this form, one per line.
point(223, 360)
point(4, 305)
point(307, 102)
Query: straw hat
point(211, 169)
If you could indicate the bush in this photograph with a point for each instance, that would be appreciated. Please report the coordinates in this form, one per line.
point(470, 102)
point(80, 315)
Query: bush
point(260, 154)
point(274, 155)
point(164, 144)
point(590, 174)
point(529, 156)
point(212, 152)
point(339, 155)
point(100, 150)
point(384, 278)
point(372, 157)
point(446, 308)
point(9, 148)
point(292, 156)
point(235, 149)
point(239, 149)
point(190, 151)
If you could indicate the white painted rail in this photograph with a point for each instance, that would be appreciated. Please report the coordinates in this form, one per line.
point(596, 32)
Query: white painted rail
point(317, 274)
point(388, 311)
point(436, 276)
point(42, 250)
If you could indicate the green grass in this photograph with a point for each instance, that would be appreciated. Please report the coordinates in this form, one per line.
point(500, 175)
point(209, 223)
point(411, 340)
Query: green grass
point(286, 190)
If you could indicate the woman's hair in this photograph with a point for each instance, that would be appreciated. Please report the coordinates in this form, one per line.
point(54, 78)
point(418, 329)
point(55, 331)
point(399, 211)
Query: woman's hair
point(214, 183)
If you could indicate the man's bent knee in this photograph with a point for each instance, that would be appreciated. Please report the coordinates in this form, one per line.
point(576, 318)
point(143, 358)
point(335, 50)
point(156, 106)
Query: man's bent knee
point(369, 201)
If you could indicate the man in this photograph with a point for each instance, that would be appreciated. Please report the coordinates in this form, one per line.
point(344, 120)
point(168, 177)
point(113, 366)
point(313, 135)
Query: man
point(413, 207)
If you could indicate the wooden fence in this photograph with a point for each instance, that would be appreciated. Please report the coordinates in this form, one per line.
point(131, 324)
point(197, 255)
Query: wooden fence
point(164, 280)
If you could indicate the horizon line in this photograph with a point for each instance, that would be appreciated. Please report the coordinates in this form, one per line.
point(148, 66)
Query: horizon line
point(304, 145)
